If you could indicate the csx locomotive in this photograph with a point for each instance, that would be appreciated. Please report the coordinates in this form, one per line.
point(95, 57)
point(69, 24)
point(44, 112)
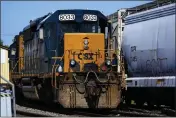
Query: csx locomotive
point(65, 57)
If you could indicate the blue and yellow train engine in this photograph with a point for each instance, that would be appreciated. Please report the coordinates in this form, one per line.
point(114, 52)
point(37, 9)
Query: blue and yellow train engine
point(65, 57)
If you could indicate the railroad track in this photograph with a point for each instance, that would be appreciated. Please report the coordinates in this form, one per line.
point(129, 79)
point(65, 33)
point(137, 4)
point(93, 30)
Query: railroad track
point(55, 109)
point(88, 113)
point(136, 114)
point(30, 114)
point(169, 112)
point(151, 111)
point(125, 111)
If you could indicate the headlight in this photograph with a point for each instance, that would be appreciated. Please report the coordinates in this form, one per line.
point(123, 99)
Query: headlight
point(86, 47)
point(108, 62)
point(72, 63)
point(86, 44)
point(60, 69)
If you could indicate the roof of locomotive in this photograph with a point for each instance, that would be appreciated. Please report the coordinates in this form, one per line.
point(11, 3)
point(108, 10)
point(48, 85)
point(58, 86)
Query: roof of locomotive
point(79, 12)
point(53, 17)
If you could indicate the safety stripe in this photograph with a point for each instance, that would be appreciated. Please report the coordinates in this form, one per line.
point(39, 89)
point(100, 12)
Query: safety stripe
point(5, 95)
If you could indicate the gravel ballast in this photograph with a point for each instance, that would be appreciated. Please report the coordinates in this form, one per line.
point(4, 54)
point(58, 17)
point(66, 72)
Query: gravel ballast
point(39, 112)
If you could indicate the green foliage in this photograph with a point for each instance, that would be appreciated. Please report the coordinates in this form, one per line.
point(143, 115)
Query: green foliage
point(2, 44)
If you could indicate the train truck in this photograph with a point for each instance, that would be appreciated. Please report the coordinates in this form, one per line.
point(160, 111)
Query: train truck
point(149, 52)
point(66, 58)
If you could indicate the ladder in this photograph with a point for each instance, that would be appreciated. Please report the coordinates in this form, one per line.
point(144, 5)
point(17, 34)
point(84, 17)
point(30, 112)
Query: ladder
point(117, 34)
point(116, 45)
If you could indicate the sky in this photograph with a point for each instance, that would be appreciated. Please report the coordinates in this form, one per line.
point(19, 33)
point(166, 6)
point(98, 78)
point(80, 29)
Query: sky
point(15, 15)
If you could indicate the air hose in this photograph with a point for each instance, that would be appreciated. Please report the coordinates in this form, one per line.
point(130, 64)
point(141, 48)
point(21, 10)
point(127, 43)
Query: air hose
point(74, 75)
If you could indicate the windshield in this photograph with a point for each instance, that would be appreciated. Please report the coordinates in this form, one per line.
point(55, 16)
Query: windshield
point(88, 27)
point(79, 27)
point(69, 27)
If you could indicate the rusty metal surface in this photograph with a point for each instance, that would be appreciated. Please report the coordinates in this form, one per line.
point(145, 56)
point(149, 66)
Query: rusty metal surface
point(72, 95)
point(21, 53)
point(30, 92)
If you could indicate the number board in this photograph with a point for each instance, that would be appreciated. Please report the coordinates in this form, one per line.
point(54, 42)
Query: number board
point(90, 17)
point(66, 17)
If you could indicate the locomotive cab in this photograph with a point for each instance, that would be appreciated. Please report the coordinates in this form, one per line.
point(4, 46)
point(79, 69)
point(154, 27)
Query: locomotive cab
point(78, 40)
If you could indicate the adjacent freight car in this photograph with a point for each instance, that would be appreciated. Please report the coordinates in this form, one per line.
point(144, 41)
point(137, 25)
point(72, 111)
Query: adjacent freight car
point(149, 51)
point(66, 58)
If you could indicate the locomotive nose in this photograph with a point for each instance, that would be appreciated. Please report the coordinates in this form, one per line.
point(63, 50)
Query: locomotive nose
point(83, 49)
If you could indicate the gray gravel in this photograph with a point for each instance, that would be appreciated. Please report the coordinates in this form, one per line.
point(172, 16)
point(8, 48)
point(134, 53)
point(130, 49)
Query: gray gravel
point(37, 111)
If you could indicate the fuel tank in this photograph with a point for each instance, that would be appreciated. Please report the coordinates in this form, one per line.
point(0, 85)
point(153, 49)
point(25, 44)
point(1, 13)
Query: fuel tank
point(29, 90)
point(149, 42)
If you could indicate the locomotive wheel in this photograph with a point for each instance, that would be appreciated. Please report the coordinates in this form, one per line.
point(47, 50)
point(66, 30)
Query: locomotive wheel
point(150, 104)
point(128, 102)
point(173, 106)
point(121, 104)
point(46, 96)
point(45, 92)
point(139, 103)
point(19, 95)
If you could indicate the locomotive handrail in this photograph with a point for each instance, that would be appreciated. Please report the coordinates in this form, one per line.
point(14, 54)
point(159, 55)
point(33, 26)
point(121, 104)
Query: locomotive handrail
point(54, 68)
point(11, 60)
point(92, 50)
point(15, 65)
point(54, 71)
point(53, 81)
point(82, 53)
point(56, 57)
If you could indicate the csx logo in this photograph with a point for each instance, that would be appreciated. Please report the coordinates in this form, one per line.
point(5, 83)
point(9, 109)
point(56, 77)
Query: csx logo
point(86, 56)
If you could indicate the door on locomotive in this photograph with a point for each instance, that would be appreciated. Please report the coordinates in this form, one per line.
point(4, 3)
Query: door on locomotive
point(82, 68)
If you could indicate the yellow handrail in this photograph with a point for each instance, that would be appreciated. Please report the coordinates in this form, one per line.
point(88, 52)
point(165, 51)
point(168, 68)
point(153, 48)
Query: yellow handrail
point(54, 72)
point(15, 65)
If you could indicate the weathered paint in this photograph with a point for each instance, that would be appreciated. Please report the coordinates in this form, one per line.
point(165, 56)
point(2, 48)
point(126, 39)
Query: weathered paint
point(21, 53)
point(149, 42)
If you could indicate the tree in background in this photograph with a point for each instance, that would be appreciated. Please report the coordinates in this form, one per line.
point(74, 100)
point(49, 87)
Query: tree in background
point(2, 44)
